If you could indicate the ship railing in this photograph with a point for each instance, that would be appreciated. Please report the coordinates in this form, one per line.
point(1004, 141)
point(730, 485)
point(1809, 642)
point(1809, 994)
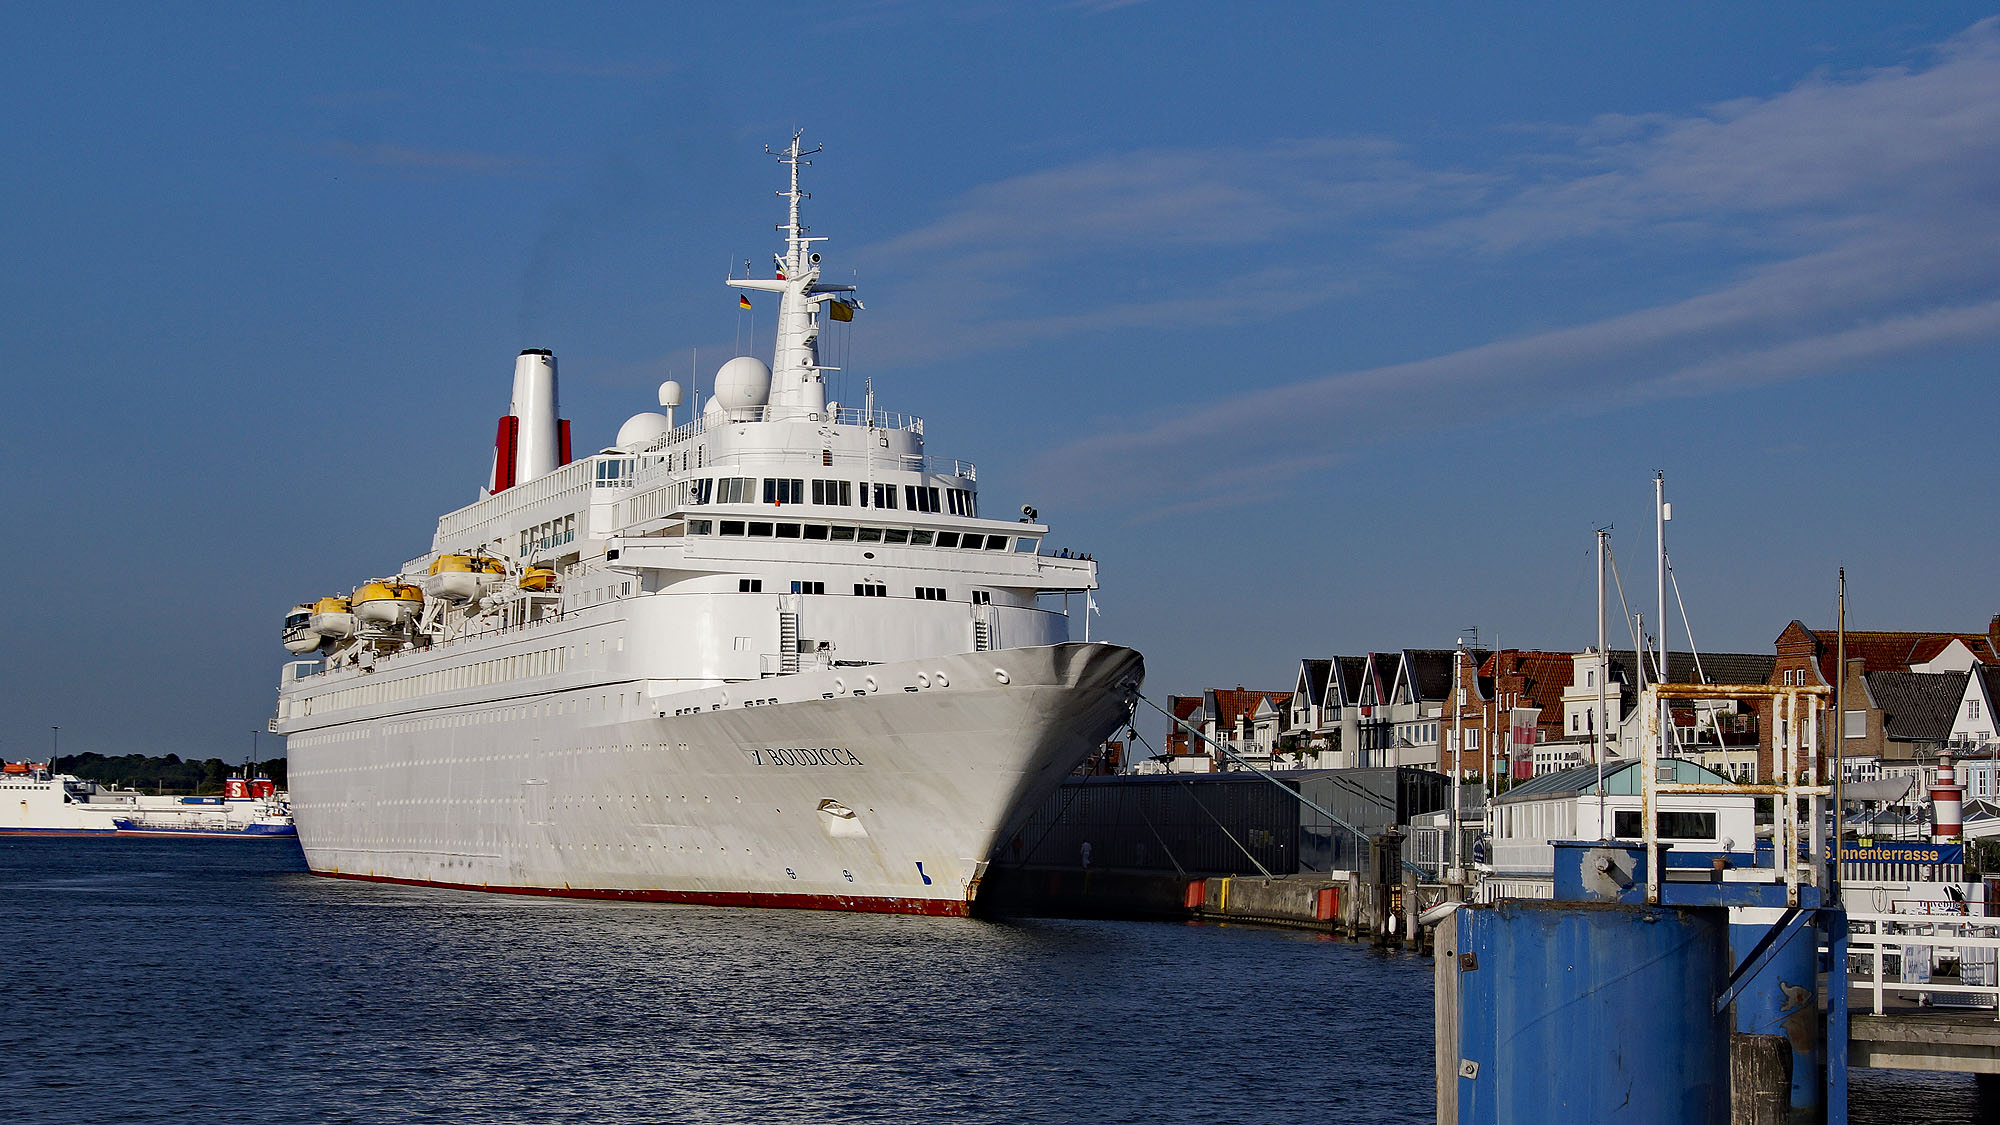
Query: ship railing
point(842, 416)
point(805, 462)
point(576, 474)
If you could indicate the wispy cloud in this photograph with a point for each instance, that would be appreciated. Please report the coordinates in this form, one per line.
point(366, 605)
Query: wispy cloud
point(428, 159)
point(542, 60)
point(1859, 208)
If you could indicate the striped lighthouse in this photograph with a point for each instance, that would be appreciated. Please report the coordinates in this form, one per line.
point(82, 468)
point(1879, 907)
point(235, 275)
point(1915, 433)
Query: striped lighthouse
point(1947, 804)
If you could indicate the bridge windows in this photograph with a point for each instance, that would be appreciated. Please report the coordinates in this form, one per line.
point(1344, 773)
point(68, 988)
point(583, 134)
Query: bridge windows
point(870, 590)
point(930, 593)
point(884, 496)
point(947, 538)
point(808, 587)
point(959, 501)
point(920, 498)
point(735, 490)
point(835, 492)
point(783, 490)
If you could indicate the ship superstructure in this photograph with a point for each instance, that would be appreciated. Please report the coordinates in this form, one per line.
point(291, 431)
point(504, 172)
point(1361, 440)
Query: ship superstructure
point(769, 654)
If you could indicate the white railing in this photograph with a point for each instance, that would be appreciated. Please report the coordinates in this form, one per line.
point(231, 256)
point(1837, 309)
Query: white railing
point(576, 474)
point(1905, 941)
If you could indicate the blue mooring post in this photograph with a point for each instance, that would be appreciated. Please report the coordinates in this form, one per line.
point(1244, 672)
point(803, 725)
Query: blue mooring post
point(1774, 954)
point(1836, 1015)
point(1779, 993)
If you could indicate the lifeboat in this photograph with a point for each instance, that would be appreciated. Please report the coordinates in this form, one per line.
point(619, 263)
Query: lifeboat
point(299, 637)
point(538, 579)
point(333, 618)
point(388, 603)
point(461, 578)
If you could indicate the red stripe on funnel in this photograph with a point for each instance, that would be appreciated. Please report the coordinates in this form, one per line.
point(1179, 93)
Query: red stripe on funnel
point(503, 453)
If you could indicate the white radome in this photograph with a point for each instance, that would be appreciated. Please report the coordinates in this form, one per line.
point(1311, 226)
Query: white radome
point(642, 430)
point(743, 383)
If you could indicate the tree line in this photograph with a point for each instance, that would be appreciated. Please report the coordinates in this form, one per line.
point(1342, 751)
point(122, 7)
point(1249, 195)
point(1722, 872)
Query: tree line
point(170, 774)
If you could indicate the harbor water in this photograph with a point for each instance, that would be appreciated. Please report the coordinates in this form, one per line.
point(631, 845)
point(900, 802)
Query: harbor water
point(169, 980)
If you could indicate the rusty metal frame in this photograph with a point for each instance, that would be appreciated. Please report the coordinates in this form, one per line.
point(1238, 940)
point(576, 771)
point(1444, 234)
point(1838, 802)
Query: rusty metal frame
point(1797, 706)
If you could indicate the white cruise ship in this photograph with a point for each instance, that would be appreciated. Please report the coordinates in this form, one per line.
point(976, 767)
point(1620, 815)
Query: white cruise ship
point(770, 655)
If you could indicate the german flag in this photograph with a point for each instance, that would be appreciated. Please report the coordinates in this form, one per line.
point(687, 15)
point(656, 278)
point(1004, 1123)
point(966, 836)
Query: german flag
point(742, 302)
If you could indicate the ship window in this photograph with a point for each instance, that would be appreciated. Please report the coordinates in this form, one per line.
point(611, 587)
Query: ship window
point(808, 588)
point(959, 501)
point(868, 534)
point(760, 530)
point(920, 538)
point(838, 492)
point(698, 491)
point(750, 585)
point(930, 593)
point(701, 527)
point(885, 496)
point(815, 531)
point(996, 542)
point(735, 490)
point(982, 597)
point(732, 527)
point(870, 590)
point(896, 535)
point(1026, 546)
point(843, 534)
point(947, 538)
point(788, 531)
point(782, 490)
point(973, 542)
point(920, 498)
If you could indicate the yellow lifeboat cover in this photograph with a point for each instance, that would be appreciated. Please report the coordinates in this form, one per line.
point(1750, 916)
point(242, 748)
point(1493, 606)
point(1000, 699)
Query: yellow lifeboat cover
point(332, 605)
point(538, 578)
point(467, 564)
point(387, 592)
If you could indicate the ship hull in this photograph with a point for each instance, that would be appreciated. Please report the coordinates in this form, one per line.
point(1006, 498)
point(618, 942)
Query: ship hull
point(877, 788)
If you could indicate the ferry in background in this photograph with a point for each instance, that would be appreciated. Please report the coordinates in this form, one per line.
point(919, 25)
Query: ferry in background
point(36, 802)
point(769, 656)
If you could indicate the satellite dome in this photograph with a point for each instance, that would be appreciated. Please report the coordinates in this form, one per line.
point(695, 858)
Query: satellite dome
point(713, 411)
point(743, 382)
point(641, 430)
point(670, 393)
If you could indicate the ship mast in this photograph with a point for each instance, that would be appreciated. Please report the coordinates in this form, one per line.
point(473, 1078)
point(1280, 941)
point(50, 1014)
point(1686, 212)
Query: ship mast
point(798, 388)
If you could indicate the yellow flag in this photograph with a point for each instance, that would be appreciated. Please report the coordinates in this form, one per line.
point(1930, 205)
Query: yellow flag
point(840, 310)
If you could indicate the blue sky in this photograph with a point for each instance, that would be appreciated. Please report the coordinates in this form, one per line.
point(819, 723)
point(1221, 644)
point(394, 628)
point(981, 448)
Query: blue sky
point(1323, 328)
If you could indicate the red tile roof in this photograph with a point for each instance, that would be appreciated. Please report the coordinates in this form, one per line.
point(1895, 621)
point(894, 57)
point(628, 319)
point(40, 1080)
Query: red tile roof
point(1231, 705)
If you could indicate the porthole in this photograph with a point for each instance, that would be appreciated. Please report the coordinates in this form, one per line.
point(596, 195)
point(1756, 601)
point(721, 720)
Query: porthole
point(869, 683)
point(923, 680)
point(1001, 675)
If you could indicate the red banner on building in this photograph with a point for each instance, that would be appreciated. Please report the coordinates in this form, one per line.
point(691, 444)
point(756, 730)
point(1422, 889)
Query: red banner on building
point(1521, 726)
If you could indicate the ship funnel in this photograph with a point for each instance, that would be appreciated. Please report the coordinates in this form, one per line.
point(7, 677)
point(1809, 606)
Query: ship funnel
point(532, 441)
